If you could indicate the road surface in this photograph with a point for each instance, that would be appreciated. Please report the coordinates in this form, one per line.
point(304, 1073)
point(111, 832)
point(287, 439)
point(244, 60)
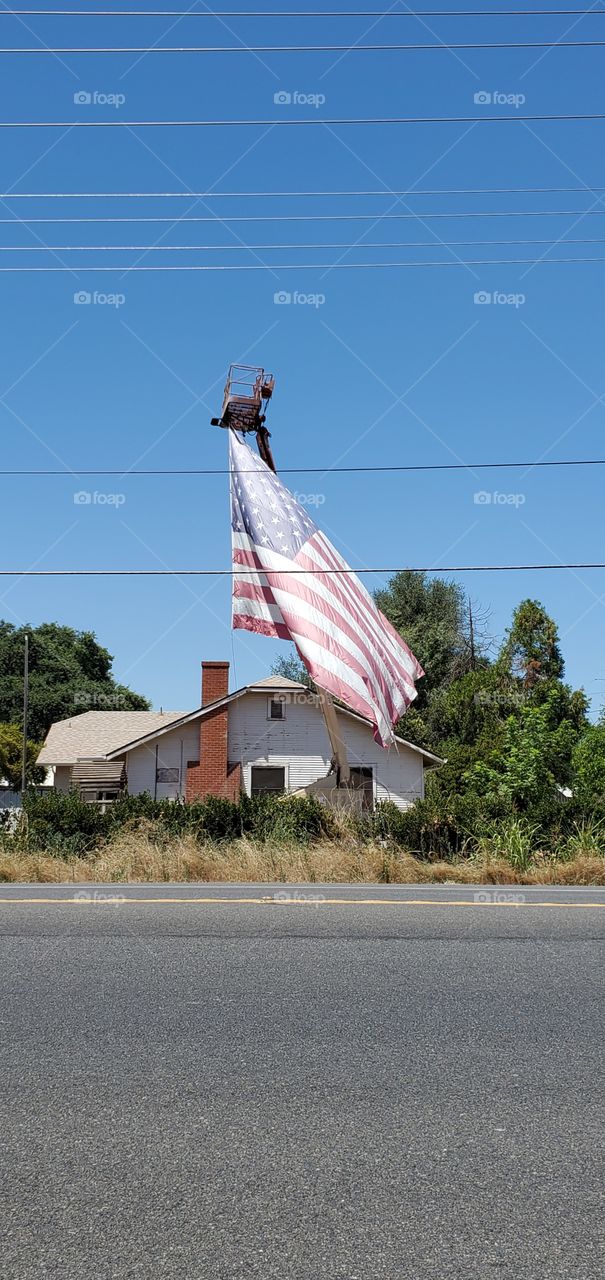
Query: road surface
point(199, 1083)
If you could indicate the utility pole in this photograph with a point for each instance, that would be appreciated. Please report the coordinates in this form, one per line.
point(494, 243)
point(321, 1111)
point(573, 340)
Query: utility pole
point(25, 713)
point(471, 630)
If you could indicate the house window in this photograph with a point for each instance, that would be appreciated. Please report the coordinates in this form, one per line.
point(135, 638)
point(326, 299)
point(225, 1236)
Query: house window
point(167, 775)
point(267, 780)
point(277, 709)
point(362, 779)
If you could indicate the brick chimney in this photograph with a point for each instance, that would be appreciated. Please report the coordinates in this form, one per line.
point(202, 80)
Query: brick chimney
point(215, 681)
point(212, 774)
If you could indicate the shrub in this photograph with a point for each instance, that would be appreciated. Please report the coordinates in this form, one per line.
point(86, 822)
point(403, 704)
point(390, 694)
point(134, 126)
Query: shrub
point(586, 839)
point(437, 828)
point(515, 840)
point(589, 770)
point(67, 826)
point(62, 824)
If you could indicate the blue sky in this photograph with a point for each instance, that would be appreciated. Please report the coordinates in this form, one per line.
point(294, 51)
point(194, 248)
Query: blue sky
point(390, 366)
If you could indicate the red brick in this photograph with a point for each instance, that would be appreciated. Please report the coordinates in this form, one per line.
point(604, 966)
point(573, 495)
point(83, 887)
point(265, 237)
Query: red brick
point(214, 775)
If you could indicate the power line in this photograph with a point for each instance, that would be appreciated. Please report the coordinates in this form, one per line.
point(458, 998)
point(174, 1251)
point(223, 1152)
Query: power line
point(243, 248)
point(242, 569)
point(319, 48)
point(311, 266)
point(315, 217)
point(308, 13)
point(290, 123)
point(274, 195)
point(125, 472)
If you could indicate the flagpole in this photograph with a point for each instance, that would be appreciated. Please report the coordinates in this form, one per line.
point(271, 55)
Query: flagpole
point(25, 713)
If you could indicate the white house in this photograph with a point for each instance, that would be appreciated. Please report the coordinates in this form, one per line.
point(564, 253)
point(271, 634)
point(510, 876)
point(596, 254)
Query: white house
point(268, 736)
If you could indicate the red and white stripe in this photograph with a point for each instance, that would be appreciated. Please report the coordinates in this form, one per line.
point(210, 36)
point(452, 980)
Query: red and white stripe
point(346, 643)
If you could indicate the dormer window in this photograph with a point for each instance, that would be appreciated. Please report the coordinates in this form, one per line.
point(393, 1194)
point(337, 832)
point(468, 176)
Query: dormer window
point(276, 709)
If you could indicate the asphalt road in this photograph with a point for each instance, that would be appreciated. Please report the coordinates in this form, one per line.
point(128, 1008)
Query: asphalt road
point(410, 1086)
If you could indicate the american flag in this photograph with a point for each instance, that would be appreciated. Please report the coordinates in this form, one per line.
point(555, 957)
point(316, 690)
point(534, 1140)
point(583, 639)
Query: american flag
point(347, 645)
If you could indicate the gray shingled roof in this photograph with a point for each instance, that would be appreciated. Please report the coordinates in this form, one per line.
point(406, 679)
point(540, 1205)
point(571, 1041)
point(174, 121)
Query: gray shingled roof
point(96, 733)
point(277, 682)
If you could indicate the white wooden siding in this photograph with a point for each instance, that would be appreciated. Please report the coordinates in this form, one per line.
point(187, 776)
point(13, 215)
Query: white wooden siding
point(174, 749)
point(300, 744)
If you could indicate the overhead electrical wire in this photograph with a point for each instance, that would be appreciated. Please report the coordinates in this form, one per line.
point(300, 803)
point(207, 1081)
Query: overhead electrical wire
point(219, 195)
point(326, 217)
point(242, 248)
point(326, 470)
point(273, 195)
point(243, 569)
point(293, 122)
point(302, 13)
point(313, 217)
point(270, 123)
point(317, 48)
point(310, 266)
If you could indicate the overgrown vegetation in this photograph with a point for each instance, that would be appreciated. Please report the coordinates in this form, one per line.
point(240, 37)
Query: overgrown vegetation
point(520, 797)
point(65, 826)
point(285, 839)
point(524, 767)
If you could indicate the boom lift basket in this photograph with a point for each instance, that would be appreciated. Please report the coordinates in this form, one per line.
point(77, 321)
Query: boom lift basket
point(247, 391)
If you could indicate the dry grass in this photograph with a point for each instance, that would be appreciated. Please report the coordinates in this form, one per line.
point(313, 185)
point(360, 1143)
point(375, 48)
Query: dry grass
point(134, 857)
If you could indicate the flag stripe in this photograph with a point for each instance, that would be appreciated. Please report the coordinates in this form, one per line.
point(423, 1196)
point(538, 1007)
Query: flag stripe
point(304, 620)
point(346, 643)
point(309, 596)
point(332, 586)
point(336, 587)
point(324, 670)
point(345, 584)
point(305, 607)
point(399, 649)
point(247, 622)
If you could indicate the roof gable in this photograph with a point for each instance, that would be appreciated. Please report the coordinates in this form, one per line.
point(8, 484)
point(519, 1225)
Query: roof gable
point(109, 734)
point(273, 683)
point(287, 686)
point(100, 733)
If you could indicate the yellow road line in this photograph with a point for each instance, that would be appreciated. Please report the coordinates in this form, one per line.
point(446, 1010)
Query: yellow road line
point(117, 900)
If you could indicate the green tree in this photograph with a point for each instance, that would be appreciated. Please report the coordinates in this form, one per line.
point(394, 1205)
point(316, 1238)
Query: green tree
point(291, 667)
point(70, 672)
point(11, 750)
point(589, 770)
point(531, 649)
point(434, 617)
point(532, 760)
